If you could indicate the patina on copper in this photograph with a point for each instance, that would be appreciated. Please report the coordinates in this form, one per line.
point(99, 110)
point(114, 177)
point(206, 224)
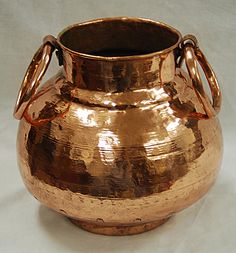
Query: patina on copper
point(121, 138)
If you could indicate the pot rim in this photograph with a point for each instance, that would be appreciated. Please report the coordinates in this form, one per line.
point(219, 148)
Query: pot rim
point(119, 58)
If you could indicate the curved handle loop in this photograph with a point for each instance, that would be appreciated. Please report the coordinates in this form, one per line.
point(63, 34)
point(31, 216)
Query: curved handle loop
point(192, 55)
point(34, 74)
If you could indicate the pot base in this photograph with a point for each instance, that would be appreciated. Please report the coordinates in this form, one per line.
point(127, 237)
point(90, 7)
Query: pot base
point(117, 230)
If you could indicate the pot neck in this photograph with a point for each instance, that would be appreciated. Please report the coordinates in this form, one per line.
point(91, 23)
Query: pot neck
point(129, 73)
point(119, 54)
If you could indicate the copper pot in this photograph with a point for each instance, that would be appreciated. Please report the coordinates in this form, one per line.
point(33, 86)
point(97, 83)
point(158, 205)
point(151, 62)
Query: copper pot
point(122, 137)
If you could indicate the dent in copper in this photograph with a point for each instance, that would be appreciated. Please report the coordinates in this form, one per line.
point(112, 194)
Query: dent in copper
point(118, 143)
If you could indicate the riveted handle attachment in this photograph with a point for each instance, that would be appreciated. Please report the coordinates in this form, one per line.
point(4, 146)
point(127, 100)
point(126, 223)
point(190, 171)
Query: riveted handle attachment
point(192, 55)
point(34, 74)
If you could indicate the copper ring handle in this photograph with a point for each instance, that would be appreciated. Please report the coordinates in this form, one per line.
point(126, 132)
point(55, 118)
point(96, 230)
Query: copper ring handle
point(33, 75)
point(192, 55)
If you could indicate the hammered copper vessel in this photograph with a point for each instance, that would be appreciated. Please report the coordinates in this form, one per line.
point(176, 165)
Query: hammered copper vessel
point(121, 138)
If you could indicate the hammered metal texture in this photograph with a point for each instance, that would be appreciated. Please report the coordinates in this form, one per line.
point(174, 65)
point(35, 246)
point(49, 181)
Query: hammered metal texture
point(123, 155)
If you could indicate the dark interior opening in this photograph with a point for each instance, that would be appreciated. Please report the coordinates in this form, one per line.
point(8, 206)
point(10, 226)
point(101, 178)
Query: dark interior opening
point(119, 37)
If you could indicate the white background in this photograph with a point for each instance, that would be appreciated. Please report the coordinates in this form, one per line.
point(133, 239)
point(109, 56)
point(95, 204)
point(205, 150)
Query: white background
point(25, 225)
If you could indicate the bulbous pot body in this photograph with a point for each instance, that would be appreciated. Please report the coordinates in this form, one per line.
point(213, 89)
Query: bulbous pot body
point(118, 143)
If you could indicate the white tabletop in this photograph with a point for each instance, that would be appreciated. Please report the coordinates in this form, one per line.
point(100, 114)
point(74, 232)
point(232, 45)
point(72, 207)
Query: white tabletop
point(25, 225)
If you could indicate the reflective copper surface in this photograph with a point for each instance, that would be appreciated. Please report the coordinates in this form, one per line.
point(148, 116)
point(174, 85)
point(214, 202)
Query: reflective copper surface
point(121, 138)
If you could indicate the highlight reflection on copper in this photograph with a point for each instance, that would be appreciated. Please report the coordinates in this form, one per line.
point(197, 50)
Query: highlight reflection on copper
point(107, 142)
point(86, 117)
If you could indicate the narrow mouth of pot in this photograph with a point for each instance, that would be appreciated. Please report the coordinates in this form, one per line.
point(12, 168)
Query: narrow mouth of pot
point(119, 38)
